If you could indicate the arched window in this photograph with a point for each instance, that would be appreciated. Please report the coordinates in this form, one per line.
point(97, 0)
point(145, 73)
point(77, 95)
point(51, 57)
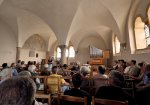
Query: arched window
point(58, 53)
point(117, 45)
point(71, 52)
point(147, 28)
point(67, 52)
point(147, 34)
point(141, 35)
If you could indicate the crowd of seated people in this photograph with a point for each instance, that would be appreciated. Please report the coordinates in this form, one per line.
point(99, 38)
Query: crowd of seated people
point(82, 82)
point(143, 88)
point(114, 89)
point(139, 74)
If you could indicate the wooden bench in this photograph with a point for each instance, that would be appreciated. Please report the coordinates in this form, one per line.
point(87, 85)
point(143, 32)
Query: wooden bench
point(41, 94)
point(72, 99)
point(107, 102)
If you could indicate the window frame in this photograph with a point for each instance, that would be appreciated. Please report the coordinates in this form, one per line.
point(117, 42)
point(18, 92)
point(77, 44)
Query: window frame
point(147, 37)
point(115, 45)
point(71, 54)
point(58, 53)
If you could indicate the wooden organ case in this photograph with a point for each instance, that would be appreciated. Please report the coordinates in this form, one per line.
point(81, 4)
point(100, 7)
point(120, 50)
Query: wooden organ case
point(98, 56)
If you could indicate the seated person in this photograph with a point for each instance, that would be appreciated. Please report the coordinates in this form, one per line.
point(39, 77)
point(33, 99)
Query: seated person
point(142, 95)
point(65, 70)
point(146, 78)
point(85, 71)
point(76, 91)
point(32, 69)
point(101, 73)
point(45, 73)
point(24, 74)
point(14, 70)
point(65, 66)
point(76, 66)
point(86, 82)
point(53, 82)
point(28, 74)
point(114, 90)
point(141, 75)
point(143, 88)
point(6, 72)
point(126, 70)
point(133, 70)
point(23, 64)
point(18, 91)
point(101, 79)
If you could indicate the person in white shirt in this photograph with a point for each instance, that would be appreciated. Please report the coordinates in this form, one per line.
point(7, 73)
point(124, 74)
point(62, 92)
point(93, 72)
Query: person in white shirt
point(6, 72)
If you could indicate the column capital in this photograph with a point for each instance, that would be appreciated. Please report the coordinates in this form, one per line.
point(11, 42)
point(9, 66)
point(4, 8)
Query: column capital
point(18, 47)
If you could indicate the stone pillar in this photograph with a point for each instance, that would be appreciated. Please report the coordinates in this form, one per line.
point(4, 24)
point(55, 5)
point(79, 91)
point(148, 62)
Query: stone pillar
point(63, 59)
point(18, 50)
point(122, 46)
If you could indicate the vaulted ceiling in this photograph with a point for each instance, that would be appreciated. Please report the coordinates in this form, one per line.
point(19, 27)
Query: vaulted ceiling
point(63, 21)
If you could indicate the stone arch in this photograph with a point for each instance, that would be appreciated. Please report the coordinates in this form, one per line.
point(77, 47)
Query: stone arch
point(35, 42)
point(30, 24)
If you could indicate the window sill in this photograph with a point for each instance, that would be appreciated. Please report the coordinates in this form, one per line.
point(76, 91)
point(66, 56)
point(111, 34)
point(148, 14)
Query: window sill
point(117, 54)
point(141, 51)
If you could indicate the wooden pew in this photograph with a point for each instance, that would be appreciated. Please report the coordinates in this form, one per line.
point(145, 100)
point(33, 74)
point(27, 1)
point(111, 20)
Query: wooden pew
point(72, 99)
point(107, 102)
point(42, 94)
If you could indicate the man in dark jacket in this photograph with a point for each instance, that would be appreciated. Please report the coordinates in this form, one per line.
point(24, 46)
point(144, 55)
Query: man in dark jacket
point(76, 91)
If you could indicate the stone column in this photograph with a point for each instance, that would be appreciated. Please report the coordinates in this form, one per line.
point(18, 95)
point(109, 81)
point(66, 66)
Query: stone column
point(18, 50)
point(122, 46)
point(63, 59)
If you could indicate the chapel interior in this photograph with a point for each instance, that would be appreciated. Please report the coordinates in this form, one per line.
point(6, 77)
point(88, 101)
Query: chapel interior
point(40, 27)
point(94, 31)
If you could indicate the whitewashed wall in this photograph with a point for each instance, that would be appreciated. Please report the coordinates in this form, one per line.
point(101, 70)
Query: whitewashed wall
point(7, 44)
point(36, 45)
point(127, 56)
point(24, 55)
point(83, 53)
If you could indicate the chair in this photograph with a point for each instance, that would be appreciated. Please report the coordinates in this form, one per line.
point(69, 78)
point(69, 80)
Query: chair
point(42, 83)
point(107, 102)
point(129, 86)
point(87, 85)
point(66, 72)
point(72, 99)
point(68, 79)
point(99, 82)
point(41, 94)
point(54, 87)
